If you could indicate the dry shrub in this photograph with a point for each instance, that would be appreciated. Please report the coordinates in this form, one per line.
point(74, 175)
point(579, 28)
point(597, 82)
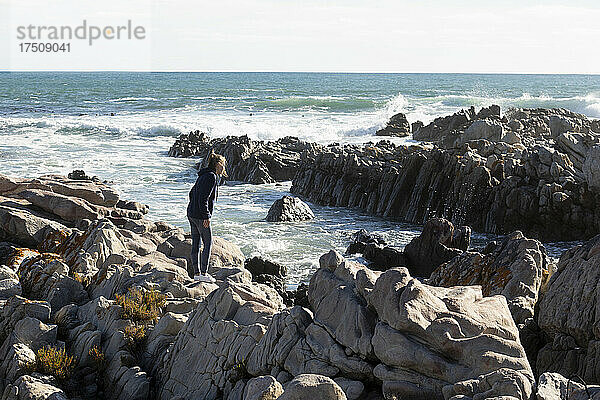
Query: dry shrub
point(55, 362)
point(141, 305)
point(134, 335)
point(98, 357)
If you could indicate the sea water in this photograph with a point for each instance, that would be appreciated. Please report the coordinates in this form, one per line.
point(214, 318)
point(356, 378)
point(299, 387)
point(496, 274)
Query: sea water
point(120, 125)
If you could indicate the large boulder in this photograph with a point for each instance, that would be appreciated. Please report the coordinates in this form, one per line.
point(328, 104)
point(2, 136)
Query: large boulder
point(25, 228)
point(263, 388)
point(591, 168)
point(397, 126)
point(376, 251)
point(34, 387)
point(435, 245)
point(516, 268)
point(311, 386)
point(289, 209)
point(215, 343)
point(568, 315)
point(553, 386)
point(466, 342)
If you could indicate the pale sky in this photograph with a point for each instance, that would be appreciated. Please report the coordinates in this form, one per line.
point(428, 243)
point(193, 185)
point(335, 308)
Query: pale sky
point(309, 35)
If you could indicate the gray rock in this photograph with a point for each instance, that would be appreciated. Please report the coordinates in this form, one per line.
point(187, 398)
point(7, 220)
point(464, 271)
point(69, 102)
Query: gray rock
point(465, 341)
point(263, 388)
point(34, 386)
point(9, 283)
point(397, 126)
point(553, 386)
point(248, 160)
point(516, 268)
point(25, 228)
point(289, 209)
point(65, 207)
point(591, 168)
point(352, 389)
point(433, 247)
point(495, 178)
point(567, 315)
point(310, 386)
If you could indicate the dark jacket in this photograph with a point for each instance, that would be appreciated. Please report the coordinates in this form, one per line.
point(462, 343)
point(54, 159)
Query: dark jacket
point(203, 194)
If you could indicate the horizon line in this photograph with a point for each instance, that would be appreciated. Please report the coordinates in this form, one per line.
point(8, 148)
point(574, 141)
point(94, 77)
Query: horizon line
point(309, 72)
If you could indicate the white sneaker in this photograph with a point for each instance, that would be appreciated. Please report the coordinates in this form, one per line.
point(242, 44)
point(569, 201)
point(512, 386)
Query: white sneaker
point(210, 278)
point(197, 277)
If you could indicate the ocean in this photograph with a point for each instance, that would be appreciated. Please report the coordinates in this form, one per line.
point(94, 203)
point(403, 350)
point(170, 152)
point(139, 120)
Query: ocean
point(120, 125)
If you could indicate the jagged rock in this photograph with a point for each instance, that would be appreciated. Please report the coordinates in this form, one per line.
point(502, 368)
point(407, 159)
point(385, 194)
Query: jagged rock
point(466, 342)
point(397, 126)
point(553, 386)
point(79, 175)
point(162, 336)
point(445, 125)
point(248, 160)
point(87, 252)
point(33, 387)
point(126, 379)
point(289, 209)
point(524, 180)
point(434, 246)
point(374, 249)
point(567, 315)
point(263, 388)
point(16, 308)
point(267, 272)
point(361, 238)
point(229, 323)
point(516, 268)
point(9, 283)
point(591, 167)
point(352, 389)
point(333, 297)
point(300, 296)
point(25, 228)
point(311, 386)
point(47, 279)
point(491, 130)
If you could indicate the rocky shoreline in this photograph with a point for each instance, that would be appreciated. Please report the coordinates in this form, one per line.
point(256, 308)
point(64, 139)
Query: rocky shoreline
point(533, 170)
point(96, 301)
point(79, 267)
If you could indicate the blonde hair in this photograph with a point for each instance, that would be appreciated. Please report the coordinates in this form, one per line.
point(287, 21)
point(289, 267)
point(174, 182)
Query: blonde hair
point(215, 159)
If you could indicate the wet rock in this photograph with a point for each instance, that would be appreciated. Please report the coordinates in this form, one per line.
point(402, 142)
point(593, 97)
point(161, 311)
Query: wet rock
point(79, 175)
point(434, 246)
point(248, 160)
point(289, 209)
point(494, 174)
point(397, 126)
point(267, 272)
point(442, 126)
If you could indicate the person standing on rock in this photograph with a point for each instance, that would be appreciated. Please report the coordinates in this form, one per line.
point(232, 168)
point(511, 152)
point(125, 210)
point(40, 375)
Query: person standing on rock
point(199, 211)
